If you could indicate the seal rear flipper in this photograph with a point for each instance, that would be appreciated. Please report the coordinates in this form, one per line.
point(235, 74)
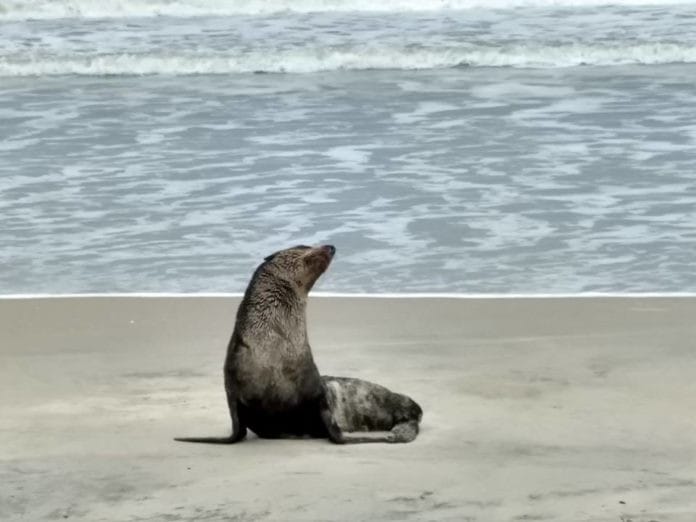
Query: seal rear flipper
point(402, 432)
point(405, 431)
point(360, 437)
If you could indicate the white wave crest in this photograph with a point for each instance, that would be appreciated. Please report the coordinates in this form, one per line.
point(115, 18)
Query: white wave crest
point(52, 9)
point(316, 60)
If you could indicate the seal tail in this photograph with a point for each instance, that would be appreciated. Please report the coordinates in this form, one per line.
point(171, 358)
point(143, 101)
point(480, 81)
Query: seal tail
point(207, 440)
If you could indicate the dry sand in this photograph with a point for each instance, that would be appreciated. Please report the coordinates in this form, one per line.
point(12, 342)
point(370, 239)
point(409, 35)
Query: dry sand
point(535, 409)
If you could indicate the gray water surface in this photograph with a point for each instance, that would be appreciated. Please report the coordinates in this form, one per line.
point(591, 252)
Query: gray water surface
point(454, 180)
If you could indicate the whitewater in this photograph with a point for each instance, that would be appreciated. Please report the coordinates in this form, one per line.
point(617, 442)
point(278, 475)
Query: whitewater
point(503, 147)
point(52, 9)
point(89, 38)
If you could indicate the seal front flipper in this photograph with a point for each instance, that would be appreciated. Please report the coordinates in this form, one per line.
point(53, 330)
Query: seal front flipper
point(239, 436)
point(241, 433)
point(239, 429)
point(208, 440)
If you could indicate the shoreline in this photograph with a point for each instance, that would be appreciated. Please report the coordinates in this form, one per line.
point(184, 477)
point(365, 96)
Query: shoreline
point(366, 295)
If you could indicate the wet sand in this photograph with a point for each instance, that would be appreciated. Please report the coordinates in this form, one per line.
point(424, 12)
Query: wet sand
point(535, 409)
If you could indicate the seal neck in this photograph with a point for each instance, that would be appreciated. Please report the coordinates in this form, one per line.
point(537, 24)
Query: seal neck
point(270, 294)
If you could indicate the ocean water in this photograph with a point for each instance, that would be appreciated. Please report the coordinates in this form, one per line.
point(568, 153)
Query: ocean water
point(509, 146)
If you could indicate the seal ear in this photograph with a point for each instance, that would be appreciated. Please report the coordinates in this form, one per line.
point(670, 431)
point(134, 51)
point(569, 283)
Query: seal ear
point(269, 258)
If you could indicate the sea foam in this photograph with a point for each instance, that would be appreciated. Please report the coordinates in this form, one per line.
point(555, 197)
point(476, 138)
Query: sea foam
point(308, 60)
point(52, 9)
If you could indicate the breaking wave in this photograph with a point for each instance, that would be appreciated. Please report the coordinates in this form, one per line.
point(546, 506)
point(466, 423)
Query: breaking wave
point(52, 9)
point(308, 60)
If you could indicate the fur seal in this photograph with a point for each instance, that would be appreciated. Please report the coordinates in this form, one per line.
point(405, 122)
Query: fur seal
point(272, 384)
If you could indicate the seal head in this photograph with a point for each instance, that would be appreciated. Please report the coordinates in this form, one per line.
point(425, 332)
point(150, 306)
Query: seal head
point(300, 265)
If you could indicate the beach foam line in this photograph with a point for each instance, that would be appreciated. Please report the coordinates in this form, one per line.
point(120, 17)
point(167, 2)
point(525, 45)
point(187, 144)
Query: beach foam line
point(314, 59)
point(55, 9)
point(386, 295)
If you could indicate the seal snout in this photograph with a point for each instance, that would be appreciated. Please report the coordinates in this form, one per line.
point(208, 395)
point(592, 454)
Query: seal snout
point(323, 255)
point(326, 252)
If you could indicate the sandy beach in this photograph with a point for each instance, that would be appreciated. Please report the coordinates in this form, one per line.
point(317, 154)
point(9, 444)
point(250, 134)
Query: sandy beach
point(566, 409)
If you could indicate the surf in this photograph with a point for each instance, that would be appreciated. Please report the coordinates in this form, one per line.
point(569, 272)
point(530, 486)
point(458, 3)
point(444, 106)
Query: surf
point(322, 59)
point(55, 9)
